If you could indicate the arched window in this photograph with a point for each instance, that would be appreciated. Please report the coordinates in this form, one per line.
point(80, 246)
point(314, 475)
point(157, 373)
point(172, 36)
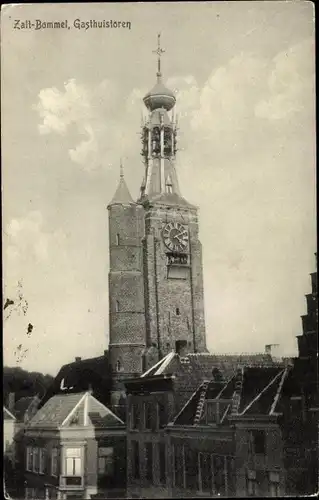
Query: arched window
point(117, 239)
point(118, 365)
point(177, 311)
point(117, 306)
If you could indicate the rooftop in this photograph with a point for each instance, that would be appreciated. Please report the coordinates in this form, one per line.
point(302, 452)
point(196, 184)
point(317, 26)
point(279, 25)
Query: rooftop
point(252, 391)
point(80, 409)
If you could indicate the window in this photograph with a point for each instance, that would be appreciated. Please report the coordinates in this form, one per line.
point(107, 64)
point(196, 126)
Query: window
point(42, 461)
point(36, 459)
point(118, 365)
point(274, 480)
point(117, 239)
point(219, 468)
point(135, 416)
point(162, 462)
point(73, 462)
point(106, 462)
point(29, 459)
point(191, 469)
point(179, 466)
point(54, 462)
point(169, 188)
point(161, 415)
point(149, 461)
point(251, 483)
point(205, 472)
point(135, 460)
point(258, 442)
point(177, 311)
point(117, 306)
point(148, 415)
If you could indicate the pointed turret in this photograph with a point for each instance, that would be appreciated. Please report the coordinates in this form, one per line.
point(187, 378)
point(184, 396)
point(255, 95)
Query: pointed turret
point(122, 195)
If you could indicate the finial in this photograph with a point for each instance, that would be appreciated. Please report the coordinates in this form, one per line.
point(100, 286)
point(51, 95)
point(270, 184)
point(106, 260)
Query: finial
point(121, 170)
point(159, 51)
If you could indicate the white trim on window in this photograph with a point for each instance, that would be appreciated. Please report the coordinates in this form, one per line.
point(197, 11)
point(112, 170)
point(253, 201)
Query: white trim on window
point(42, 457)
point(54, 462)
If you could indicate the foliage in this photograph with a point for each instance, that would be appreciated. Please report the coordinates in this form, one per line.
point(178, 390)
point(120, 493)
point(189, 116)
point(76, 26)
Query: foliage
point(24, 383)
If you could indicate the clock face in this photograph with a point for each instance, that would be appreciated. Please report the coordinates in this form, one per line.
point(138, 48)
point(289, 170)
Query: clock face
point(175, 236)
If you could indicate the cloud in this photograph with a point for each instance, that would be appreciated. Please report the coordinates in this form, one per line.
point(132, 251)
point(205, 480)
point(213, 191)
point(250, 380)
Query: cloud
point(290, 83)
point(27, 245)
point(89, 110)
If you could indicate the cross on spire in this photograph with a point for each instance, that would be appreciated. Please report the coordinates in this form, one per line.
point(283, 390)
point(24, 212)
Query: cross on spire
point(159, 51)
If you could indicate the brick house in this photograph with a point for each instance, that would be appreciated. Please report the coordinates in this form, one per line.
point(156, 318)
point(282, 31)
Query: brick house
point(226, 441)
point(159, 435)
point(300, 406)
point(74, 446)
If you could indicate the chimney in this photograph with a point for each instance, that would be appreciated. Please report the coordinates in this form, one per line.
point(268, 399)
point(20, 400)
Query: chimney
point(268, 349)
point(77, 359)
point(11, 401)
point(181, 347)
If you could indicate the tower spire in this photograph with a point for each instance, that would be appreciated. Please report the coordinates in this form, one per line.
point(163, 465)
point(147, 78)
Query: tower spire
point(159, 51)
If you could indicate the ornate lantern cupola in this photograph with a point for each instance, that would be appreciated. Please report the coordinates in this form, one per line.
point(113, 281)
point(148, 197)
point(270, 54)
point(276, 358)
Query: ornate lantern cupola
point(159, 140)
point(160, 96)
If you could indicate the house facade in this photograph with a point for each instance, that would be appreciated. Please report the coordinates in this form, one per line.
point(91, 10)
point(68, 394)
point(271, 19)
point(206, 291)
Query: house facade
point(184, 441)
point(74, 447)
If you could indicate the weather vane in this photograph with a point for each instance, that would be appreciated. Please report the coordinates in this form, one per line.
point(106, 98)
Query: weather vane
point(159, 51)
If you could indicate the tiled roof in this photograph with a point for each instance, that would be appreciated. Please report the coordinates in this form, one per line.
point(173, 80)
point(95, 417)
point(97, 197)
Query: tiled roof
point(56, 410)
point(7, 415)
point(204, 363)
point(80, 409)
point(257, 390)
point(80, 376)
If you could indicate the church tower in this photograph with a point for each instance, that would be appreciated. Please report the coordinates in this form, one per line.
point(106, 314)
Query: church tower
point(172, 253)
point(156, 276)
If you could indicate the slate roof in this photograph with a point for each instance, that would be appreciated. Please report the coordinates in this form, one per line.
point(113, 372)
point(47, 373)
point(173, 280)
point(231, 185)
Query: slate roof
point(80, 376)
point(81, 409)
point(7, 415)
point(122, 195)
point(259, 390)
point(171, 199)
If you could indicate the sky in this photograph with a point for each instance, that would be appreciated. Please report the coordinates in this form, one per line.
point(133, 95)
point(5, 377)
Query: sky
point(243, 74)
